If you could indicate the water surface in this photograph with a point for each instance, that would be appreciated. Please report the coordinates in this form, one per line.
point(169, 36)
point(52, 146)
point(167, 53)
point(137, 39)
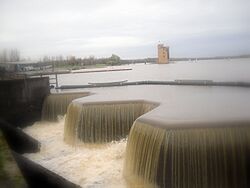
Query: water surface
point(216, 70)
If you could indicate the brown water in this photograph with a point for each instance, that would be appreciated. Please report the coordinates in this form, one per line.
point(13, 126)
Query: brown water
point(98, 165)
point(197, 157)
point(102, 122)
point(197, 137)
point(57, 104)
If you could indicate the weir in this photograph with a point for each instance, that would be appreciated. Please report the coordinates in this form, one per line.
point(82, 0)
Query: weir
point(178, 141)
point(102, 122)
point(194, 157)
point(57, 104)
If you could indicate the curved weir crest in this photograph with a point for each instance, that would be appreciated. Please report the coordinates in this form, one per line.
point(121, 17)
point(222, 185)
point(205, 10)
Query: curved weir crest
point(57, 104)
point(102, 122)
point(198, 157)
point(192, 141)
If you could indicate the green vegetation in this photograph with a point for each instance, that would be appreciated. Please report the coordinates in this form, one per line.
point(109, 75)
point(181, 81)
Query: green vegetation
point(73, 63)
point(77, 67)
point(113, 60)
point(9, 172)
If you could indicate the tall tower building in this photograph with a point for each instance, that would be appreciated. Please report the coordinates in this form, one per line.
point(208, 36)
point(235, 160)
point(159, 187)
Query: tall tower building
point(163, 54)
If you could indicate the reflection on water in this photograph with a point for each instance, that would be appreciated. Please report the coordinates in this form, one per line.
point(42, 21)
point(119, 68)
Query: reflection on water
point(217, 70)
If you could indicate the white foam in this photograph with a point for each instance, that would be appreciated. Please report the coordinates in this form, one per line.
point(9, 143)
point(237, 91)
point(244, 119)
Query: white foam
point(85, 165)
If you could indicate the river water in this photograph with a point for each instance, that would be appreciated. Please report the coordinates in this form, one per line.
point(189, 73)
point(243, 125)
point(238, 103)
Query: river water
point(84, 165)
point(216, 70)
point(102, 165)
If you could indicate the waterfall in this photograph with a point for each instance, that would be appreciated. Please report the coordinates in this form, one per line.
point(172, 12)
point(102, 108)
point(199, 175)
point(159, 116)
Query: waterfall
point(56, 104)
point(102, 122)
point(157, 156)
point(195, 157)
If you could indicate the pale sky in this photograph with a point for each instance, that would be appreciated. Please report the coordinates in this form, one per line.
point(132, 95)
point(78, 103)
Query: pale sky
point(128, 28)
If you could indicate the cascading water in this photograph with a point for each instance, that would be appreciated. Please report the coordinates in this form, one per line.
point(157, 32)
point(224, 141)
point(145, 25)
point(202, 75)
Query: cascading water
point(87, 165)
point(56, 104)
point(102, 122)
point(195, 157)
point(156, 156)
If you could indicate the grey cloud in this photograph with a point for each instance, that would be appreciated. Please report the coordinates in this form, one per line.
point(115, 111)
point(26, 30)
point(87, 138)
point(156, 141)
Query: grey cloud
point(129, 28)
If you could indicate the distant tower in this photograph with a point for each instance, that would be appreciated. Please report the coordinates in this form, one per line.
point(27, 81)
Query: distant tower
point(163, 54)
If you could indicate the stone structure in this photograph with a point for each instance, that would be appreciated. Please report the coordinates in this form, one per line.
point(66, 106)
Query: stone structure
point(163, 54)
point(22, 99)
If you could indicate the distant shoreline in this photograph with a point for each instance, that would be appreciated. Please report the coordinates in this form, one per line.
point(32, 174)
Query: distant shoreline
point(154, 59)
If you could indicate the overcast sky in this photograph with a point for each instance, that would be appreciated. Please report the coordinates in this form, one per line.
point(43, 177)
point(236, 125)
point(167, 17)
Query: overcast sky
point(128, 28)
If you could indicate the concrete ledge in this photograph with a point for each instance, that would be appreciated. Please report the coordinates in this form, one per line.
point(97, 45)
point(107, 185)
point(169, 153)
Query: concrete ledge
point(18, 140)
point(38, 176)
point(21, 100)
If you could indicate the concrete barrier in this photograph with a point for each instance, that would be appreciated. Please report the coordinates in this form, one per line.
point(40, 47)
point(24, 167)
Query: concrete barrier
point(18, 140)
point(22, 99)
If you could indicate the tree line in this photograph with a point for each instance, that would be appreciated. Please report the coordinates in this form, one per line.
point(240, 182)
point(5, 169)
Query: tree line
point(74, 61)
point(9, 55)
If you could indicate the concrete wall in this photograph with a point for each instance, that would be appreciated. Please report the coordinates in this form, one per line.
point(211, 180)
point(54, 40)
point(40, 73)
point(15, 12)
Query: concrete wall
point(21, 100)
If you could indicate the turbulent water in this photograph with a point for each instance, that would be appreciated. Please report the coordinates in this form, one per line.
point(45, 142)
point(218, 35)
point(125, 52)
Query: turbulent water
point(207, 157)
point(105, 122)
point(86, 165)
